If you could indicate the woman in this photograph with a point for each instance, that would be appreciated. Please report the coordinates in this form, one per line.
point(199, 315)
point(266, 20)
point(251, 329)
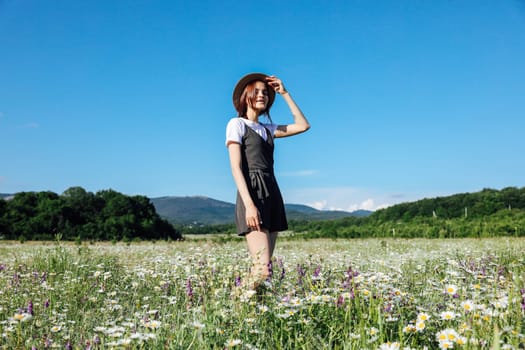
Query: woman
point(260, 213)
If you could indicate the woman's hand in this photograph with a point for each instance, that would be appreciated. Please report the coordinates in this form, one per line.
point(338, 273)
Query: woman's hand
point(276, 84)
point(252, 217)
point(300, 123)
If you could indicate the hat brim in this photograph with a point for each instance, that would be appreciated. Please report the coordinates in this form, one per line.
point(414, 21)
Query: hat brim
point(247, 79)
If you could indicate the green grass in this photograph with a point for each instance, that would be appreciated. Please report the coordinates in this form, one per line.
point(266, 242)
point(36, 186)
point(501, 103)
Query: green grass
point(324, 294)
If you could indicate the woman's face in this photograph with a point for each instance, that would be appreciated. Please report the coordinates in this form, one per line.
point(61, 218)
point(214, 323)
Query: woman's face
point(259, 100)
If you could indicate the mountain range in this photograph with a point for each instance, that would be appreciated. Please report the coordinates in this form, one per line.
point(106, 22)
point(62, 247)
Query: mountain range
point(205, 210)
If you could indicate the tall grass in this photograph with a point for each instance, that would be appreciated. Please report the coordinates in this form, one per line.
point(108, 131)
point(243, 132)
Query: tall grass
point(323, 294)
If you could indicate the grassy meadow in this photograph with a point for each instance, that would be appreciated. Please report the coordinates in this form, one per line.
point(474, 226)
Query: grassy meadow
point(323, 294)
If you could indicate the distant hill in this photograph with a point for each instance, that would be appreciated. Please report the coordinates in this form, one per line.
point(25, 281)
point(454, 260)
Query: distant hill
point(6, 195)
point(304, 212)
point(204, 210)
point(189, 210)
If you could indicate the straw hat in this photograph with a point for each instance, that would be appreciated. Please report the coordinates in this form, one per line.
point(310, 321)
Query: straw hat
point(241, 84)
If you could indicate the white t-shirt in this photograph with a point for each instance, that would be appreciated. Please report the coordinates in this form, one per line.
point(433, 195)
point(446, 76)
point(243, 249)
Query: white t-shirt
point(237, 127)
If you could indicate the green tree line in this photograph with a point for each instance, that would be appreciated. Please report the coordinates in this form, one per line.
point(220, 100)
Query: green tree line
point(80, 215)
point(487, 213)
point(474, 205)
point(109, 215)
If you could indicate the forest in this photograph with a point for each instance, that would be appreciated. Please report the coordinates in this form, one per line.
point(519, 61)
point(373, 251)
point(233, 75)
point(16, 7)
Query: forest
point(111, 216)
point(80, 215)
point(488, 213)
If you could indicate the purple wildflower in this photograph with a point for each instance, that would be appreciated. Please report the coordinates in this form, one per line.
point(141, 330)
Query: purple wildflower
point(388, 307)
point(16, 279)
point(283, 273)
point(281, 266)
point(350, 274)
point(46, 303)
point(30, 308)
point(69, 346)
point(2, 267)
point(317, 271)
point(189, 289)
point(340, 301)
point(238, 281)
point(522, 299)
point(301, 272)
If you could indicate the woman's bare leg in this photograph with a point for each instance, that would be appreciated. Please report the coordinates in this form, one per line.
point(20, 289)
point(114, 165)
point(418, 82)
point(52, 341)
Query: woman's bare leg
point(261, 248)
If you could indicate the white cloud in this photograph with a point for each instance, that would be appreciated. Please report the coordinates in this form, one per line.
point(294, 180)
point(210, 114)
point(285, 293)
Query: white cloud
point(367, 204)
point(321, 205)
point(345, 198)
point(298, 173)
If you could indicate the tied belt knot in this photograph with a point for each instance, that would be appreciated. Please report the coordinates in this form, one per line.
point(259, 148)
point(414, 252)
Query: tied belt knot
point(257, 180)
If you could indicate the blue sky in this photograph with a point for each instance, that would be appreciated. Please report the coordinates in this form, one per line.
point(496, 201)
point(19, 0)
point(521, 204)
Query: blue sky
point(407, 99)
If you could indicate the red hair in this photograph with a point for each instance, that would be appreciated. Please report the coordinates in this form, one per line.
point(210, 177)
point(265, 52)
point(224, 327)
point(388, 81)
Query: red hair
point(248, 97)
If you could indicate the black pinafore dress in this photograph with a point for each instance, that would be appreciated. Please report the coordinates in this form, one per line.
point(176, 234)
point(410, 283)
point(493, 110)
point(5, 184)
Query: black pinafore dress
point(257, 168)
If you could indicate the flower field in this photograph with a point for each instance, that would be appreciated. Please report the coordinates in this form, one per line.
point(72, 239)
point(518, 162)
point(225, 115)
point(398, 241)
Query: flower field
point(323, 294)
